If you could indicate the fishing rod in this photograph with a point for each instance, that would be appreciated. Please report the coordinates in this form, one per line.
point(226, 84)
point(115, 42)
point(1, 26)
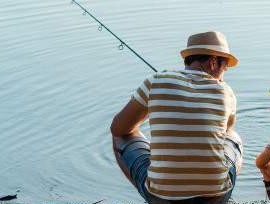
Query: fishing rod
point(100, 28)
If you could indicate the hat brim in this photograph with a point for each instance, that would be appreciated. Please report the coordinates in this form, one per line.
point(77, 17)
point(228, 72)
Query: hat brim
point(232, 60)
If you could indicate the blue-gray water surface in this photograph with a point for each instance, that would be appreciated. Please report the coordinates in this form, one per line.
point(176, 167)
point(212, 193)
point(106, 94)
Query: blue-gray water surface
point(62, 81)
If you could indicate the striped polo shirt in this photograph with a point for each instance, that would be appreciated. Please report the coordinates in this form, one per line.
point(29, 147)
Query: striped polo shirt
point(188, 115)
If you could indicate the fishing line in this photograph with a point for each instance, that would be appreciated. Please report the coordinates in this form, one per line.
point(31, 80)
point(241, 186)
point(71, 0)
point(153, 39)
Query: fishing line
point(100, 28)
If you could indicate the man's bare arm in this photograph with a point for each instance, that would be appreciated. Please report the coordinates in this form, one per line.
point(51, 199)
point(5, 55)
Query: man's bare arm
point(230, 123)
point(128, 120)
point(263, 158)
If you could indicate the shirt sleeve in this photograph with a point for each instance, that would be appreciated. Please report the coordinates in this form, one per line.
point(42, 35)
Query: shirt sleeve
point(233, 101)
point(142, 93)
point(234, 104)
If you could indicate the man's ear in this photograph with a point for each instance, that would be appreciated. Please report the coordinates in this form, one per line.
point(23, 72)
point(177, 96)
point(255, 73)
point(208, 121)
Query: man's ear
point(212, 63)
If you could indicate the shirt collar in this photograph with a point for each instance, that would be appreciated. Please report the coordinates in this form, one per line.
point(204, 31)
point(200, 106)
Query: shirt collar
point(191, 70)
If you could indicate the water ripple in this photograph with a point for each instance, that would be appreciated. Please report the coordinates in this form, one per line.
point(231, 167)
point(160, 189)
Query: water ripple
point(62, 81)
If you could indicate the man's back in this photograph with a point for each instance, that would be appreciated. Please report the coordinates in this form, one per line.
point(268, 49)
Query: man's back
point(188, 115)
point(194, 154)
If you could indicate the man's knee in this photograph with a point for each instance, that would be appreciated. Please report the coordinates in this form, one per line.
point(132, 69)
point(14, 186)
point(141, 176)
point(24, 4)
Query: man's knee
point(129, 149)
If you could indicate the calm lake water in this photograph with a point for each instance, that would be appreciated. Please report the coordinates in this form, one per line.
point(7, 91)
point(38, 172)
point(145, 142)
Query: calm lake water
point(62, 81)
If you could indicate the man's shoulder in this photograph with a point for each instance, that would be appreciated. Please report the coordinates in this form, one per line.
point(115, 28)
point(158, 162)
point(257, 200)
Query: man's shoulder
point(227, 87)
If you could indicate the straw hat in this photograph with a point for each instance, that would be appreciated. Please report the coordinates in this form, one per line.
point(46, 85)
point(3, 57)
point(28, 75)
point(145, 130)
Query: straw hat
point(209, 43)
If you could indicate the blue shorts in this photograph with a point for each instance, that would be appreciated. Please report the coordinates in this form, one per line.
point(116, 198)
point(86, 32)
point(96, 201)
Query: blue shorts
point(134, 154)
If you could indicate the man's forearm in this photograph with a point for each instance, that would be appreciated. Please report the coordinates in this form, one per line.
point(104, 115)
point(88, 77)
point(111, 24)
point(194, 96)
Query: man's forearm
point(119, 129)
point(129, 119)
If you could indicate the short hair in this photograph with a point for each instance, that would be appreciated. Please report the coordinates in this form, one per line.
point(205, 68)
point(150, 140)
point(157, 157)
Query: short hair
point(192, 58)
point(202, 58)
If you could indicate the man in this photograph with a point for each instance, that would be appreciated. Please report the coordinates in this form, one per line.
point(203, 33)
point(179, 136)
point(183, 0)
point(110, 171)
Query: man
point(263, 163)
point(194, 153)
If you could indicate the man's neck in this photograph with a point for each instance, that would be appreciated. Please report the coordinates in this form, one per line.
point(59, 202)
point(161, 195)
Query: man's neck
point(203, 67)
point(193, 68)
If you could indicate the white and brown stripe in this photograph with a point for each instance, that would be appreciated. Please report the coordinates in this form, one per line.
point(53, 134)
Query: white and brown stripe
point(188, 114)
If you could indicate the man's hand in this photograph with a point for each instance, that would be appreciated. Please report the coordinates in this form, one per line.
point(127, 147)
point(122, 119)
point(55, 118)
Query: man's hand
point(266, 172)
